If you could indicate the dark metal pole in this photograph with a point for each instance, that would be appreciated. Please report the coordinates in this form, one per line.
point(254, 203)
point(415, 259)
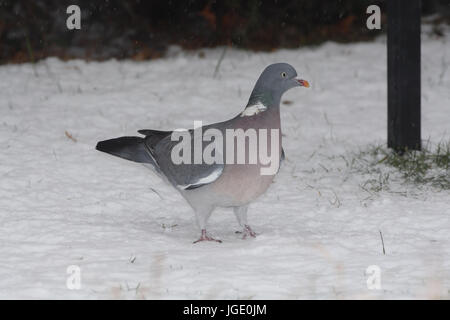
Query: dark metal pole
point(404, 74)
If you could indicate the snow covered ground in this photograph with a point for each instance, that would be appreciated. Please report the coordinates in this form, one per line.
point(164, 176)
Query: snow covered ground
point(62, 203)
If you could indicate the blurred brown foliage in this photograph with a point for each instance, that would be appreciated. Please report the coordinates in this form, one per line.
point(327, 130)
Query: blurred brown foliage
point(138, 29)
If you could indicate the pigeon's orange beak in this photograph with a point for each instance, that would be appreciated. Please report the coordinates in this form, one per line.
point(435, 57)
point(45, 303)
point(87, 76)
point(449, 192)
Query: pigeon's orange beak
point(303, 83)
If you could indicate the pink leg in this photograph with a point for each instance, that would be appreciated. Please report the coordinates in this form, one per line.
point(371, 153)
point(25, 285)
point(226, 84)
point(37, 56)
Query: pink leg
point(205, 237)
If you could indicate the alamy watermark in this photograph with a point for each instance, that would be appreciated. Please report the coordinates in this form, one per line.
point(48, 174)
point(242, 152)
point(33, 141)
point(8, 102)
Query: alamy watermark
point(238, 146)
point(373, 281)
point(73, 281)
point(374, 20)
point(74, 20)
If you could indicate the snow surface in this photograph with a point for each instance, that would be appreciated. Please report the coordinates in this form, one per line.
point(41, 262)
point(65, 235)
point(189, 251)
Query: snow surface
point(62, 203)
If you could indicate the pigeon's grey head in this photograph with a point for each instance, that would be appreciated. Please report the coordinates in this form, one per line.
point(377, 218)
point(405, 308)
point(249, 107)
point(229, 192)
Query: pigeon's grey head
point(275, 80)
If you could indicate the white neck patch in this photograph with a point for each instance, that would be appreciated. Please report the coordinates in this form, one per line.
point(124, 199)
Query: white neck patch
point(253, 109)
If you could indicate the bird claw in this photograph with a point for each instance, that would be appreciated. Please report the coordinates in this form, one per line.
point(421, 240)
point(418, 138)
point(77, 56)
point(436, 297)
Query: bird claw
point(206, 237)
point(247, 232)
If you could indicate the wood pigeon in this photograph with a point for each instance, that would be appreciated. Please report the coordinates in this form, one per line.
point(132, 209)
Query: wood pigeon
point(230, 180)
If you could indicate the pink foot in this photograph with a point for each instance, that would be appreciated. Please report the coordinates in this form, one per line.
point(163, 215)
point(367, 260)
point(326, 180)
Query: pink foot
point(205, 237)
point(248, 232)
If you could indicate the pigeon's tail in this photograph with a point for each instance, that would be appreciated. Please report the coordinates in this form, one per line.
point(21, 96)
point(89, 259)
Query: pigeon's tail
point(129, 148)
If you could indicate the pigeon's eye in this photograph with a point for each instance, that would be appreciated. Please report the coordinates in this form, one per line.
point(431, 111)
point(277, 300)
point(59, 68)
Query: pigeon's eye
point(283, 74)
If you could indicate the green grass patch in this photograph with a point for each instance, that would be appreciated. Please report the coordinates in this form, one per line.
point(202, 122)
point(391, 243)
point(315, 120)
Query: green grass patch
point(428, 167)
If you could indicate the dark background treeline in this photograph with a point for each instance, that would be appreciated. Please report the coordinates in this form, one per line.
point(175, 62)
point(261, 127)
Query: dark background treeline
point(138, 29)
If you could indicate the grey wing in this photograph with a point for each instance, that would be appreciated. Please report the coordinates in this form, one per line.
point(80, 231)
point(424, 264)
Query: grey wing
point(185, 176)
